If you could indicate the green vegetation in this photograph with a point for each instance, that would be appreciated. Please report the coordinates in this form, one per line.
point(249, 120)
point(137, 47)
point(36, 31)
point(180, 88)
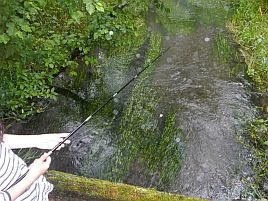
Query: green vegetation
point(41, 38)
point(184, 17)
point(71, 187)
point(145, 139)
point(223, 47)
point(249, 26)
point(257, 131)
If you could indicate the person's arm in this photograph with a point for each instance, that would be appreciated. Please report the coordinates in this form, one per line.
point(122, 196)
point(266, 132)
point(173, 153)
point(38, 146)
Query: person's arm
point(37, 168)
point(43, 141)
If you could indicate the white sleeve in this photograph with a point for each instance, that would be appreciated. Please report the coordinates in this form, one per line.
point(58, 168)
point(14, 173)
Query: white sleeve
point(5, 196)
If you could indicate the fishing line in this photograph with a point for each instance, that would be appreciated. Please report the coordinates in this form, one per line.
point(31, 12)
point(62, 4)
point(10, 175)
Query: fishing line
point(106, 103)
point(97, 110)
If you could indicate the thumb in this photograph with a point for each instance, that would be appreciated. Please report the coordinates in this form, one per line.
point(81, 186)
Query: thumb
point(44, 157)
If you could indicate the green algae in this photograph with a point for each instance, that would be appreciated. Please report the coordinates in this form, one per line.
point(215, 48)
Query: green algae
point(81, 188)
point(144, 137)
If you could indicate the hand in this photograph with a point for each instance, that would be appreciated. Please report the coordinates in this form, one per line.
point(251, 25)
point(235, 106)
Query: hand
point(39, 166)
point(49, 141)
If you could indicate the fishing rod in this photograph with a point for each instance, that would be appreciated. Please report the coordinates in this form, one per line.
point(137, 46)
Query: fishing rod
point(96, 111)
point(106, 103)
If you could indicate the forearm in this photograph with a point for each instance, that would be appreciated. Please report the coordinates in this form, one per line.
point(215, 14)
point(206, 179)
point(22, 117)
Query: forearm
point(41, 141)
point(18, 189)
point(37, 168)
point(20, 141)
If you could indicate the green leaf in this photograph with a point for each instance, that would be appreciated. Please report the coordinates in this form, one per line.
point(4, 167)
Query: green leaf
point(26, 28)
point(19, 34)
point(73, 74)
point(266, 143)
point(99, 7)
point(11, 30)
point(96, 35)
point(77, 16)
point(4, 38)
point(89, 6)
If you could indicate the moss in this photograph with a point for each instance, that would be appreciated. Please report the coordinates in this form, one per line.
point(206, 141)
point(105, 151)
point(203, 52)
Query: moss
point(67, 185)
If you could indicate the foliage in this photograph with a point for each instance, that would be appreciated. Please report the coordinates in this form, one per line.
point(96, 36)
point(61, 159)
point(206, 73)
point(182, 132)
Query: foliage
point(249, 25)
point(41, 38)
point(257, 132)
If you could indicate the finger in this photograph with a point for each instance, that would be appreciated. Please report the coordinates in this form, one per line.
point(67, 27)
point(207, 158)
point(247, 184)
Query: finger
point(61, 134)
point(47, 161)
point(61, 146)
point(44, 157)
point(67, 142)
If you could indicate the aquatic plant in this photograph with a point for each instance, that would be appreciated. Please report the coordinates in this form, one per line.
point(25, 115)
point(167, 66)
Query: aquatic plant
point(143, 139)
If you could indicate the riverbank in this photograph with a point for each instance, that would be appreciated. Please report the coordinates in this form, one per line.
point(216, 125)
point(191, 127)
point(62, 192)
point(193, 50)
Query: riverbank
point(249, 27)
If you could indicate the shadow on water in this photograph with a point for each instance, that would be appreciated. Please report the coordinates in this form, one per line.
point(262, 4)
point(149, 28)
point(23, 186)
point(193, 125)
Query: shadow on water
point(134, 139)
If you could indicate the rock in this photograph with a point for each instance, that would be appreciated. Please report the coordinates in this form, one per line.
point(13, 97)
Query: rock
point(71, 187)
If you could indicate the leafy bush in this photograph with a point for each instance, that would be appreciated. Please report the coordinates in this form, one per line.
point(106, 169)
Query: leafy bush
point(38, 37)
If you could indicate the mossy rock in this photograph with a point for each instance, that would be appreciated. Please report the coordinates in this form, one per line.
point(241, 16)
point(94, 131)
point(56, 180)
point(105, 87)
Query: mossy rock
point(71, 187)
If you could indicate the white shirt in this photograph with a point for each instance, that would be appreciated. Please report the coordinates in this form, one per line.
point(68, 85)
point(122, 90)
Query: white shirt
point(11, 169)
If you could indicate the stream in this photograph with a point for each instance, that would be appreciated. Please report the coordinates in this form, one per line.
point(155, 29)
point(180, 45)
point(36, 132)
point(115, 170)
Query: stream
point(195, 80)
point(211, 106)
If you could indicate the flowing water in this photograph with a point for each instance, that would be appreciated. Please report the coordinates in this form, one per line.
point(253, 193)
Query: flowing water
point(210, 104)
point(197, 85)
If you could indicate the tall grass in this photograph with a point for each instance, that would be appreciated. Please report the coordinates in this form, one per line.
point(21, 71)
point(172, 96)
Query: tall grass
point(250, 28)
